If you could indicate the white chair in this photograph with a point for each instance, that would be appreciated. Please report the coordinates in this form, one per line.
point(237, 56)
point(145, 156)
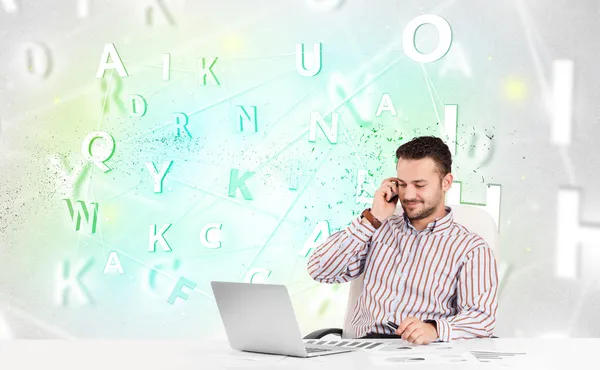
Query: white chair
point(5, 332)
point(473, 218)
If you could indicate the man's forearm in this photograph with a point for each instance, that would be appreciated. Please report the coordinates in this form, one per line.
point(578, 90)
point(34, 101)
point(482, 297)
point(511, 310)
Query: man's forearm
point(339, 258)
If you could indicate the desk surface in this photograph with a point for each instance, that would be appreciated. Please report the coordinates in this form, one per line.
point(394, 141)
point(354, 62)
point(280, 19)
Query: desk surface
point(171, 355)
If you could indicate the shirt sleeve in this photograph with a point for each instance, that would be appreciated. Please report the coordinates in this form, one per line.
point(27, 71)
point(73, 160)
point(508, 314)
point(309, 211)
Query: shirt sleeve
point(476, 298)
point(341, 257)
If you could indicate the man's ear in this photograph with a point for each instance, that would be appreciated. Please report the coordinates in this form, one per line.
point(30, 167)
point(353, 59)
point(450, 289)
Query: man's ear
point(447, 182)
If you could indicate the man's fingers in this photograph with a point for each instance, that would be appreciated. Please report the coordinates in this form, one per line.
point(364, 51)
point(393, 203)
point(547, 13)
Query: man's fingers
point(381, 193)
point(409, 330)
point(390, 187)
point(387, 184)
point(421, 339)
point(410, 333)
point(387, 193)
point(414, 334)
point(405, 323)
point(392, 184)
point(393, 189)
point(394, 193)
point(389, 180)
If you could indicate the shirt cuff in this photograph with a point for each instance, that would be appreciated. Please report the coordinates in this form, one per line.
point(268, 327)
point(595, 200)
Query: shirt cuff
point(444, 330)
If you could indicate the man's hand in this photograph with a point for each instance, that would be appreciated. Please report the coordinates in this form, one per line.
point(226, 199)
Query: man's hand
point(384, 203)
point(417, 331)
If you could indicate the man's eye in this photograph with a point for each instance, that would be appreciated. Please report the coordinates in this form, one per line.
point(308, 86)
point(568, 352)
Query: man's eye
point(420, 186)
point(402, 185)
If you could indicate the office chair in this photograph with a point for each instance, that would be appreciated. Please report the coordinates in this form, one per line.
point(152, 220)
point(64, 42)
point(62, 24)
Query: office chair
point(473, 218)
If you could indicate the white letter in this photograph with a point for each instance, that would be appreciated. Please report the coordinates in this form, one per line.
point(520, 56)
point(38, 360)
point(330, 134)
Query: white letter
point(360, 198)
point(386, 104)
point(212, 242)
point(68, 282)
point(181, 121)
point(158, 238)
point(256, 271)
point(136, 101)
point(166, 67)
point(204, 71)
point(113, 263)
point(295, 173)
point(243, 115)
point(110, 52)
point(450, 123)
point(318, 236)
point(158, 177)
point(310, 67)
point(331, 133)
point(82, 209)
point(177, 291)
point(492, 204)
point(10, 6)
point(562, 103)
point(444, 32)
point(38, 59)
point(83, 8)
point(100, 158)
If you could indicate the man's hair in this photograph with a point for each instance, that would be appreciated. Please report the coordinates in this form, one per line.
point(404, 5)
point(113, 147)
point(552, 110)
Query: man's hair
point(428, 147)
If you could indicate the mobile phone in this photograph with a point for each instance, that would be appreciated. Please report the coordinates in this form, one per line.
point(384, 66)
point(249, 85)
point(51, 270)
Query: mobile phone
point(394, 195)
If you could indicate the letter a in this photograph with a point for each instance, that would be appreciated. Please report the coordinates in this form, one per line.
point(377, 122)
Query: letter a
point(111, 52)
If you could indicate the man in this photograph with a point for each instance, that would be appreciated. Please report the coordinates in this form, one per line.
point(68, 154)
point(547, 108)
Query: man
point(434, 277)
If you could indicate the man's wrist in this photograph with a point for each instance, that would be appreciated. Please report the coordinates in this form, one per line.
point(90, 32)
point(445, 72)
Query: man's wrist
point(434, 324)
point(378, 217)
point(364, 221)
point(372, 219)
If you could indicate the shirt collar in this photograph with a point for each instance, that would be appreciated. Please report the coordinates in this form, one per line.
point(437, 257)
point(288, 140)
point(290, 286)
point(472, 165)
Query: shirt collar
point(438, 225)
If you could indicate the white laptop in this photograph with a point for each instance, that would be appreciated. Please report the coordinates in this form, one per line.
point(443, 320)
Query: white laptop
point(260, 318)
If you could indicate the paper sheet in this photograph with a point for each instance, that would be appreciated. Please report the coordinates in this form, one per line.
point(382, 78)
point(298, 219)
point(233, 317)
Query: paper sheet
point(392, 352)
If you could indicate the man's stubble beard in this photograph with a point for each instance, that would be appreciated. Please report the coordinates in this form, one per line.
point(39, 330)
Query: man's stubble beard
point(427, 211)
point(423, 214)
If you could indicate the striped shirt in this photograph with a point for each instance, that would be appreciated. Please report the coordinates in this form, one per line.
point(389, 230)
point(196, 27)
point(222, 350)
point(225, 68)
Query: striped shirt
point(443, 273)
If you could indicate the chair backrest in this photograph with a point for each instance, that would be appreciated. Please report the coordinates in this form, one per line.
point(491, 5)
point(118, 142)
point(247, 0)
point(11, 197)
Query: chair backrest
point(473, 218)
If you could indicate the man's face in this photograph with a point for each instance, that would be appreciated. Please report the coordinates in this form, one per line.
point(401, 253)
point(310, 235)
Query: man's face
point(421, 190)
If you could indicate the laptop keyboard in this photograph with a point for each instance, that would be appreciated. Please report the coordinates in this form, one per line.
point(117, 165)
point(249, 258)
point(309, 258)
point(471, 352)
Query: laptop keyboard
point(315, 350)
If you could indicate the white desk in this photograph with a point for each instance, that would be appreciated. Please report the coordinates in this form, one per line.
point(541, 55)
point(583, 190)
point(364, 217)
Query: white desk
point(571, 354)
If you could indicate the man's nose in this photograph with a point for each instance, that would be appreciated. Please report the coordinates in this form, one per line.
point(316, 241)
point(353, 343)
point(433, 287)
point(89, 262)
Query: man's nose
point(410, 193)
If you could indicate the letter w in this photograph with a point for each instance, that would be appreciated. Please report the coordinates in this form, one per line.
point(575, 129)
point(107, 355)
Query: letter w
point(82, 209)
